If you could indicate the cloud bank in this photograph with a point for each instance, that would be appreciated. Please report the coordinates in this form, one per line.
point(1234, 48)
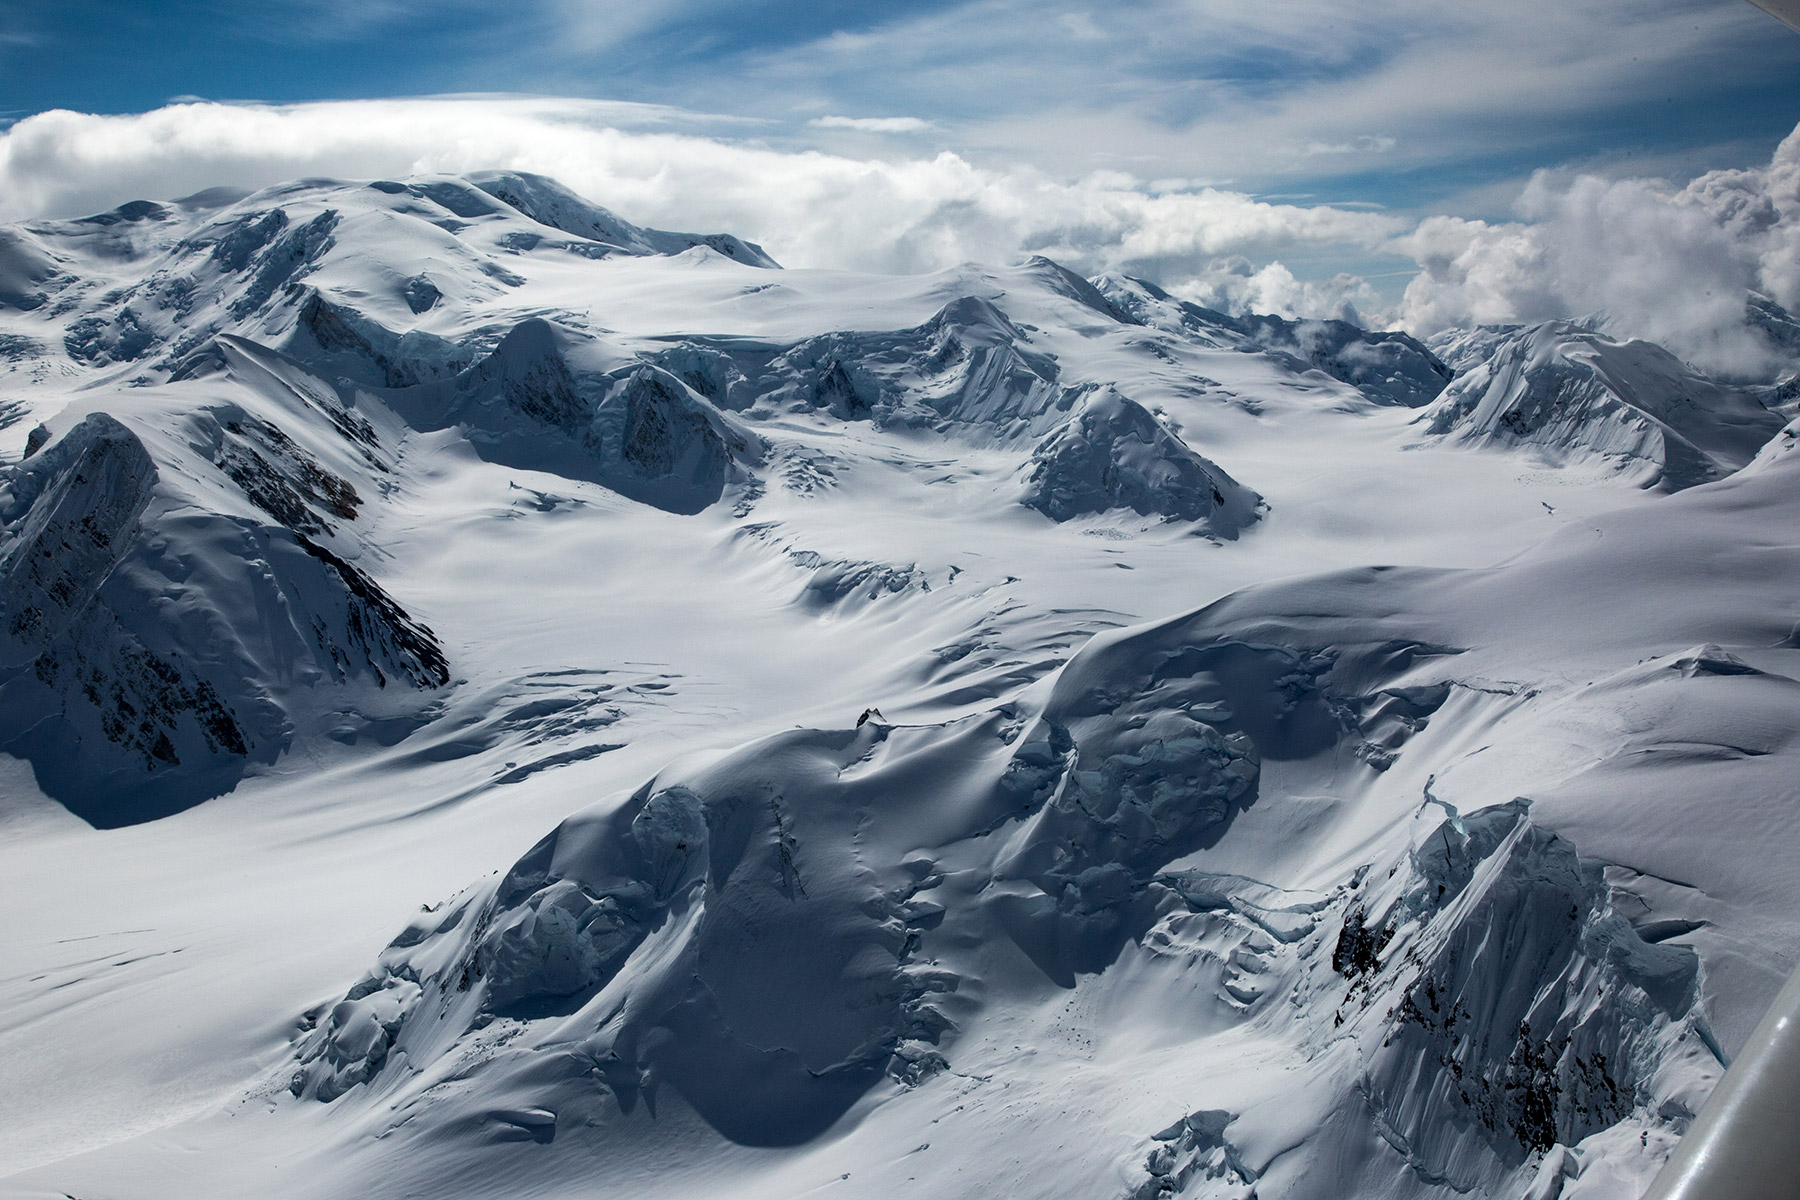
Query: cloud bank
point(808, 208)
point(1667, 262)
point(1236, 285)
point(1656, 261)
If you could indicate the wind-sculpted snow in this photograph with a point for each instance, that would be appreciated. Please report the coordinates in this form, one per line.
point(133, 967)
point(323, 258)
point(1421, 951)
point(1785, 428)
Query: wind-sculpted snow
point(646, 932)
point(1462, 350)
point(1390, 368)
point(666, 912)
point(1460, 1006)
point(251, 265)
point(1132, 772)
point(1779, 448)
point(1572, 394)
point(636, 943)
point(1114, 454)
point(971, 373)
point(1474, 1008)
point(25, 266)
point(374, 285)
point(226, 273)
point(834, 583)
point(1503, 1005)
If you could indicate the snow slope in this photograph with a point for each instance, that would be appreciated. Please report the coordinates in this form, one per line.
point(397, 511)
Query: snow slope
point(786, 658)
point(163, 607)
point(1575, 394)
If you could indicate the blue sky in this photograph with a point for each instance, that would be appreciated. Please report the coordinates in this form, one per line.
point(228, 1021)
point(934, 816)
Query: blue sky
point(1412, 106)
point(1398, 110)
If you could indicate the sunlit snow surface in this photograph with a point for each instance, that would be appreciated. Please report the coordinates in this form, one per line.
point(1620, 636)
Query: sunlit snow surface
point(1294, 772)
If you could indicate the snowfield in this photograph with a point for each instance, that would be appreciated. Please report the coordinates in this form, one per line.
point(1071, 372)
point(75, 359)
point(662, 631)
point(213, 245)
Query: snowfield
point(500, 701)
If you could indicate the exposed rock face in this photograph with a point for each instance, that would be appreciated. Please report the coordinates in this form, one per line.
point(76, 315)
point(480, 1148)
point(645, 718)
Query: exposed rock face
point(663, 911)
point(142, 651)
point(1778, 326)
point(1462, 1002)
point(1391, 367)
point(1113, 454)
point(238, 268)
point(336, 335)
point(1572, 394)
point(660, 444)
point(712, 374)
point(1529, 1013)
point(70, 515)
point(1184, 870)
point(1462, 350)
point(104, 704)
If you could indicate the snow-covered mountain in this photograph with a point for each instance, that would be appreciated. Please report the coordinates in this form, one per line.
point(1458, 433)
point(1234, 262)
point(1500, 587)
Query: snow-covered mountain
point(1573, 394)
point(792, 731)
point(1390, 368)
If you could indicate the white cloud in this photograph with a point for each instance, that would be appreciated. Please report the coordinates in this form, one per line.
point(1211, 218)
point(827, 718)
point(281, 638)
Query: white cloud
point(1081, 27)
point(1363, 145)
point(1256, 91)
point(872, 124)
point(1235, 285)
point(1660, 262)
point(806, 207)
point(1666, 262)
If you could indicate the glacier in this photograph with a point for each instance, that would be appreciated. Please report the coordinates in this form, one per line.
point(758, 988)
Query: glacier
point(499, 700)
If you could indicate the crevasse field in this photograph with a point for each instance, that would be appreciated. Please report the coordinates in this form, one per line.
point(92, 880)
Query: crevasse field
point(501, 702)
